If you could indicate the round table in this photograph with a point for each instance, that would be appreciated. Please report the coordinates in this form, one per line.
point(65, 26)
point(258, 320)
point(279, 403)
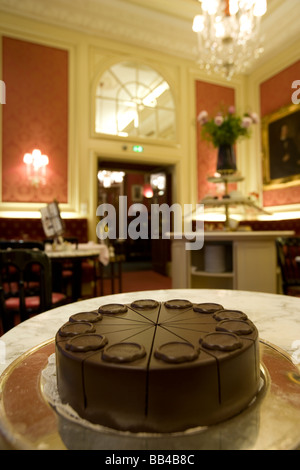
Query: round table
point(75, 257)
point(277, 318)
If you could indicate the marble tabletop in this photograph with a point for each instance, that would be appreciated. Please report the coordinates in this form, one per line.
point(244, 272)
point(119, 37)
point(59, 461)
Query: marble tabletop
point(277, 318)
point(83, 250)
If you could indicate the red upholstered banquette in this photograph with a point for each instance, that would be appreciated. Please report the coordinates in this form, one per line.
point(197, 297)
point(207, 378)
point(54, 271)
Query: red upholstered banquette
point(32, 229)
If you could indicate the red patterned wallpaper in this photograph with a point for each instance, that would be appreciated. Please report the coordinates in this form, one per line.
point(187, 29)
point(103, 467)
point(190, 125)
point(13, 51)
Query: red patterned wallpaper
point(275, 93)
point(35, 115)
point(210, 98)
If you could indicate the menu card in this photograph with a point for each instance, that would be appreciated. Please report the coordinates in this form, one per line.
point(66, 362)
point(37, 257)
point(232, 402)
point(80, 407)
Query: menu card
point(52, 222)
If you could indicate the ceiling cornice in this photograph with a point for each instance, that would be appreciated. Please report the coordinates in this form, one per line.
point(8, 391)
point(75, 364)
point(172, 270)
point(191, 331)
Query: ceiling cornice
point(159, 25)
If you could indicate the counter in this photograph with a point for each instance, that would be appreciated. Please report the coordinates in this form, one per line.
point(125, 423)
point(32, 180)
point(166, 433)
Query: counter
point(250, 261)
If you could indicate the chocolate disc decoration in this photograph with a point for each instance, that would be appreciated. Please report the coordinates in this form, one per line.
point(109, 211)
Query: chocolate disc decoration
point(176, 352)
point(123, 352)
point(90, 317)
point(178, 303)
point(207, 307)
point(76, 328)
point(221, 342)
point(235, 326)
point(229, 315)
point(113, 309)
point(145, 304)
point(86, 342)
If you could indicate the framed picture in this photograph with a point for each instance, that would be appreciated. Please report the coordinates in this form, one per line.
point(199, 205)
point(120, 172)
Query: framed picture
point(137, 193)
point(281, 147)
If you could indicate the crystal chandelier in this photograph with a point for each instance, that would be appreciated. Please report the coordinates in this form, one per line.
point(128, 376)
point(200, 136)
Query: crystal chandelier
point(228, 34)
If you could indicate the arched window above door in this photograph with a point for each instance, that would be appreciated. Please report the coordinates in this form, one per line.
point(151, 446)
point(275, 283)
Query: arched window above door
point(133, 100)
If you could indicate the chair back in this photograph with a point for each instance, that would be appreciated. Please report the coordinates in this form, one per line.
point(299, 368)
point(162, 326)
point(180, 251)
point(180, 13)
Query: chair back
point(288, 248)
point(21, 244)
point(24, 274)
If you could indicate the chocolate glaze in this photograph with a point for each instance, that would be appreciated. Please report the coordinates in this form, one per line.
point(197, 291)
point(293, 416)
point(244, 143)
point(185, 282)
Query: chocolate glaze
point(229, 315)
point(86, 342)
point(161, 369)
point(178, 303)
point(145, 304)
point(176, 352)
point(207, 307)
point(238, 327)
point(90, 317)
point(76, 328)
point(123, 352)
point(113, 309)
point(221, 341)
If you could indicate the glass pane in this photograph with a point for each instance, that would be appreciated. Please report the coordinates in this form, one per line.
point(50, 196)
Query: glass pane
point(127, 117)
point(134, 100)
point(166, 124)
point(165, 100)
point(106, 116)
point(125, 71)
point(108, 86)
point(147, 124)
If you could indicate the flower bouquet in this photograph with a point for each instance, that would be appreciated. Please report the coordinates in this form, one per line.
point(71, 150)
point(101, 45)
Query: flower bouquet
point(223, 131)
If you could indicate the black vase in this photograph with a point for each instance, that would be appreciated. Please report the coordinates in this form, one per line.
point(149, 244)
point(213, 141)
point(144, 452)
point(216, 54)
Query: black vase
point(226, 163)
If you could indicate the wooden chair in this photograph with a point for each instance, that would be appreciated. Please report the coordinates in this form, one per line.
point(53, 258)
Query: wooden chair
point(288, 248)
point(25, 285)
point(112, 272)
point(63, 273)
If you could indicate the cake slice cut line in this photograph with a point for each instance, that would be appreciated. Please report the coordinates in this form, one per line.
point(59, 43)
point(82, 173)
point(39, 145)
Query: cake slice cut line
point(182, 328)
point(175, 313)
point(129, 328)
point(190, 320)
point(175, 334)
point(156, 310)
point(136, 334)
point(125, 319)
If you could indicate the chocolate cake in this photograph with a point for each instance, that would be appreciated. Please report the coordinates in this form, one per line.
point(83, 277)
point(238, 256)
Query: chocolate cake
point(158, 367)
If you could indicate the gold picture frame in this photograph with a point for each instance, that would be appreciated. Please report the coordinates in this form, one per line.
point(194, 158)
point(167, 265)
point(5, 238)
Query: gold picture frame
point(281, 147)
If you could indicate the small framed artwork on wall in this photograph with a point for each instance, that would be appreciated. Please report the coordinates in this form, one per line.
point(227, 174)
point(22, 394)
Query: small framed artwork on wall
point(281, 147)
point(137, 193)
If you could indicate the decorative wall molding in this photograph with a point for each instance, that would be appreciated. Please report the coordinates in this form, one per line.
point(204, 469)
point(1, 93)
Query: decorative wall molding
point(160, 25)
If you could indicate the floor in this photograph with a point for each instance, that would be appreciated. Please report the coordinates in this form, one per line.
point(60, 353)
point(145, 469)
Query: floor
point(139, 277)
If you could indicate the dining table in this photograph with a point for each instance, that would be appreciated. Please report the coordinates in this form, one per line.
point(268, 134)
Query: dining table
point(271, 423)
point(74, 255)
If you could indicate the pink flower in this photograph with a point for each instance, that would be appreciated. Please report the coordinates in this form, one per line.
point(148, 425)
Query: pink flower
point(254, 117)
point(246, 122)
point(219, 120)
point(202, 117)
point(231, 110)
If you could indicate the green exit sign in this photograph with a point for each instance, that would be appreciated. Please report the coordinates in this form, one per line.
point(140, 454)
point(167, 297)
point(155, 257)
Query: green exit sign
point(138, 148)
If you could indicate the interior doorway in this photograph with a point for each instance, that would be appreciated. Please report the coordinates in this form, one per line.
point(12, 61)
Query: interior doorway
point(144, 184)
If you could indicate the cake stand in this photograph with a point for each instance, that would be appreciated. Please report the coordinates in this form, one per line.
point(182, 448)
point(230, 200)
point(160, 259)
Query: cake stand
point(31, 418)
point(227, 201)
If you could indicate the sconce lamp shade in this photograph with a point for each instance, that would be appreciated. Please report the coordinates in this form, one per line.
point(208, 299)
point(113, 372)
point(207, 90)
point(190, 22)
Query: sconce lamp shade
point(36, 164)
point(147, 191)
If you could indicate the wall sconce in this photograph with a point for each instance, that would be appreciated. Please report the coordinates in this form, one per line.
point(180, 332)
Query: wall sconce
point(36, 166)
point(147, 191)
point(158, 183)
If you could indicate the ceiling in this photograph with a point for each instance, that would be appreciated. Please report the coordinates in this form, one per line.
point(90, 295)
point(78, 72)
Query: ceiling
point(160, 25)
